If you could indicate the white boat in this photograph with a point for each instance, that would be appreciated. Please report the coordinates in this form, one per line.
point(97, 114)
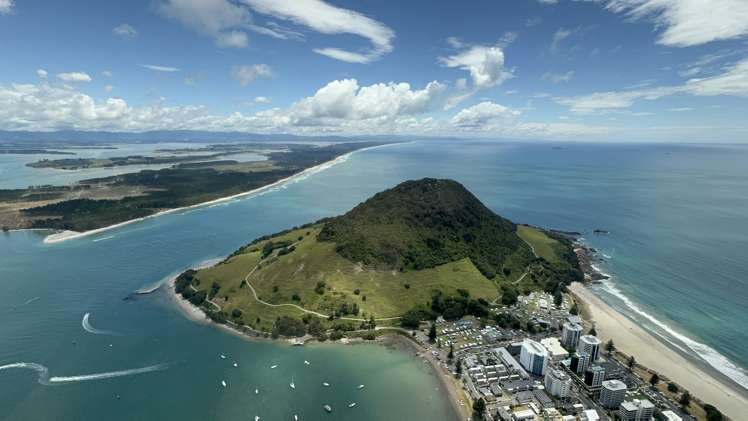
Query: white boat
point(328, 408)
point(293, 386)
point(351, 405)
point(274, 365)
point(223, 383)
point(257, 418)
point(236, 365)
point(257, 391)
point(360, 386)
point(223, 357)
point(326, 384)
point(306, 362)
point(296, 418)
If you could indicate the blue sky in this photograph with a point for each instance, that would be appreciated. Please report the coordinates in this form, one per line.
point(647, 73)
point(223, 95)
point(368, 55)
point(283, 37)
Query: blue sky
point(636, 70)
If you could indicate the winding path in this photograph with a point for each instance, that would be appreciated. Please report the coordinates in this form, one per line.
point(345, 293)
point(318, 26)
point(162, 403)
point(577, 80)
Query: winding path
point(321, 315)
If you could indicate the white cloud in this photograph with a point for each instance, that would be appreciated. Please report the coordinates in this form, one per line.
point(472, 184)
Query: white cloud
point(533, 21)
point(106, 73)
point(558, 36)
point(733, 81)
point(108, 88)
point(557, 78)
point(455, 42)
point(262, 100)
point(483, 116)
point(548, 1)
point(125, 31)
point(232, 39)
point(689, 22)
point(74, 77)
point(220, 19)
point(328, 19)
point(163, 69)
point(485, 64)
point(6, 7)
point(247, 73)
point(680, 109)
point(41, 73)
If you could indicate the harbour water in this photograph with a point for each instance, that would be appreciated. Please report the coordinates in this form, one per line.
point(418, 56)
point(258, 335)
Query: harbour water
point(678, 231)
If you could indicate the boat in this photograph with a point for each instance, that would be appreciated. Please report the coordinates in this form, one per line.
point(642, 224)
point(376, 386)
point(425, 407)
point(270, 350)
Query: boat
point(274, 365)
point(328, 408)
point(223, 357)
point(257, 391)
point(360, 387)
point(293, 386)
point(296, 417)
point(326, 384)
point(223, 383)
point(351, 405)
point(257, 418)
point(306, 362)
point(236, 365)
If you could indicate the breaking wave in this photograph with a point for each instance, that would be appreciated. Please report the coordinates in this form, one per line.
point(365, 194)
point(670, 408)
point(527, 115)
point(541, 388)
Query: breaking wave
point(705, 352)
point(43, 373)
point(90, 329)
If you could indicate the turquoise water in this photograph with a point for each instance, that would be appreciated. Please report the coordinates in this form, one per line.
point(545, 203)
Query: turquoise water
point(679, 231)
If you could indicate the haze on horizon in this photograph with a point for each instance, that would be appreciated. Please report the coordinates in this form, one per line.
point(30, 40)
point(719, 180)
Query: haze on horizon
point(603, 70)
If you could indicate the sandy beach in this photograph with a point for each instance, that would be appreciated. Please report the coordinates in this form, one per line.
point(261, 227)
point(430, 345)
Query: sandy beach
point(650, 352)
point(69, 235)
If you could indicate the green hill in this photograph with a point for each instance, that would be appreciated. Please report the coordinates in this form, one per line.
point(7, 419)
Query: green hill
point(421, 249)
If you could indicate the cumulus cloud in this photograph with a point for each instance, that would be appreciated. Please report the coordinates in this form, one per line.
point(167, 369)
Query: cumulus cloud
point(106, 73)
point(41, 73)
point(689, 22)
point(163, 69)
point(483, 116)
point(733, 81)
point(125, 31)
point(262, 100)
point(73, 77)
point(6, 7)
point(248, 73)
point(485, 64)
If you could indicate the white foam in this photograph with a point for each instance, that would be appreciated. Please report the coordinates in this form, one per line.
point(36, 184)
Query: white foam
point(44, 378)
point(707, 353)
point(107, 375)
point(109, 237)
point(90, 329)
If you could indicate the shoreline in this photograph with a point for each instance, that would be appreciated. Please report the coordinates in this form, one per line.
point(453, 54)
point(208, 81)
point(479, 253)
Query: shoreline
point(650, 352)
point(61, 236)
point(447, 386)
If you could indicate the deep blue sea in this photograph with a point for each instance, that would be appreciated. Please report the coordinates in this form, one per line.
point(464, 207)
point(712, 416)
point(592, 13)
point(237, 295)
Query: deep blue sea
point(678, 222)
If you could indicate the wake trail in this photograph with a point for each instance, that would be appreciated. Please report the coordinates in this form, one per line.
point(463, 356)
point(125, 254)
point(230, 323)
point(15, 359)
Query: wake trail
point(44, 379)
point(90, 329)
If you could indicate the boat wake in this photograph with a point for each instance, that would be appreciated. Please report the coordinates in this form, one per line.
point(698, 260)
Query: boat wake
point(43, 373)
point(109, 237)
point(90, 329)
point(705, 352)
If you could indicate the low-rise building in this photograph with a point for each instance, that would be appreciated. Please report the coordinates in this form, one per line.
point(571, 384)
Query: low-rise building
point(554, 348)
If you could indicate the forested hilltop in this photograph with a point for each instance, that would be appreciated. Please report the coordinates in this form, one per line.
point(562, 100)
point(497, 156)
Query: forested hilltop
point(422, 249)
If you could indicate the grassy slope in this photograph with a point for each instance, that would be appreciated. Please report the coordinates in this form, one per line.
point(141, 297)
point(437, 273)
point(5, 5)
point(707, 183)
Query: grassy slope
point(543, 245)
point(313, 261)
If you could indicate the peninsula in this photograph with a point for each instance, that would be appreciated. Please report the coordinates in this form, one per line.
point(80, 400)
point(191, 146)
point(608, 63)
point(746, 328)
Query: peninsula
point(421, 250)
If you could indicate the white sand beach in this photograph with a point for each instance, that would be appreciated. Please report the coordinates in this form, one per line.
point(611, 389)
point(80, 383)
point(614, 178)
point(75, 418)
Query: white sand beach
point(652, 353)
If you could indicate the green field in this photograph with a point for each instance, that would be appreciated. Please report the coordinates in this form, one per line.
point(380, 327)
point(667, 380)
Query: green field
point(381, 294)
point(543, 245)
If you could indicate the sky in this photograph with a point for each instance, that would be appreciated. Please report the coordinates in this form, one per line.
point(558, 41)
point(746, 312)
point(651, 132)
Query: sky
point(601, 70)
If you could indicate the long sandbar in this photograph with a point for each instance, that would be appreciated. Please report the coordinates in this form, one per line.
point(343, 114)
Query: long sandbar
point(650, 352)
point(69, 235)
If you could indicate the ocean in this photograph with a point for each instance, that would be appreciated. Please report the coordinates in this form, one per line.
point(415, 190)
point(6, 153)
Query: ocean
point(676, 252)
